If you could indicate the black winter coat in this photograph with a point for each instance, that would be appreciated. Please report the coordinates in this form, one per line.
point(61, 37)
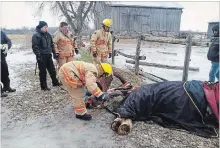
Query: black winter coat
point(42, 43)
point(213, 53)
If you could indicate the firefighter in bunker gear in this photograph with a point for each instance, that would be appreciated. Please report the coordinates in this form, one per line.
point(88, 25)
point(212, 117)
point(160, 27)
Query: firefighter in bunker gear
point(64, 44)
point(101, 43)
point(101, 48)
point(78, 75)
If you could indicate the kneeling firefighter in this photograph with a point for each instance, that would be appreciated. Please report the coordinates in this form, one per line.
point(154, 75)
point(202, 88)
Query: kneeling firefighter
point(77, 76)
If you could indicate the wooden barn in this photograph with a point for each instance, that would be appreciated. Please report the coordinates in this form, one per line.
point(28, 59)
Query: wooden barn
point(144, 17)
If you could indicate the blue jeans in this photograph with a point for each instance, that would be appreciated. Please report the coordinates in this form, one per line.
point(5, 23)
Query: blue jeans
point(214, 72)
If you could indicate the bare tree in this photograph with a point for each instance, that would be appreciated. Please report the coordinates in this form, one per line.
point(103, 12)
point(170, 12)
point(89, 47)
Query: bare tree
point(77, 14)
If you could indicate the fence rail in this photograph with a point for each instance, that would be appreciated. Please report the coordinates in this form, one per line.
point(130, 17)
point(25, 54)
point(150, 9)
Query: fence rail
point(136, 60)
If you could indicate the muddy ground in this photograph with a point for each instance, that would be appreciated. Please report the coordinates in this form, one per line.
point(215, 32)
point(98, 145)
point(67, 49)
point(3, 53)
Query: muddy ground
point(31, 118)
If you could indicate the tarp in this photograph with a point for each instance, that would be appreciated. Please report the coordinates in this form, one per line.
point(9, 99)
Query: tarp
point(169, 105)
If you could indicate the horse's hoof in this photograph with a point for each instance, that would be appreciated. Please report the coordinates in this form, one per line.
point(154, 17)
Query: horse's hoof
point(116, 123)
point(125, 127)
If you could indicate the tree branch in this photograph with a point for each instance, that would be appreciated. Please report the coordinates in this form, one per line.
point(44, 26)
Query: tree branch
point(71, 12)
point(63, 8)
point(88, 9)
point(74, 13)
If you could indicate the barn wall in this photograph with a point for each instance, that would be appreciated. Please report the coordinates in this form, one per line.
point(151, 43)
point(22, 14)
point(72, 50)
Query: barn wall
point(136, 19)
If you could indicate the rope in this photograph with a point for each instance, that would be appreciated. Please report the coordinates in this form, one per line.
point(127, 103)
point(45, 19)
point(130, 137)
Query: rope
point(184, 86)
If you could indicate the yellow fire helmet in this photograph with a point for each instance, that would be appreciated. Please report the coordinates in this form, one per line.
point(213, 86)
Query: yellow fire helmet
point(107, 22)
point(107, 69)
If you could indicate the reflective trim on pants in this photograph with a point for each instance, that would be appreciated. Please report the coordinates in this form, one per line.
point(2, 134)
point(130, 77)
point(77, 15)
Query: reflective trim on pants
point(76, 93)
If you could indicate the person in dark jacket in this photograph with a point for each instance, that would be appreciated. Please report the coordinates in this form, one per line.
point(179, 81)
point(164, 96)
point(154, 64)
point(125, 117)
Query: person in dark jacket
point(5, 45)
point(42, 46)
point(213, 55)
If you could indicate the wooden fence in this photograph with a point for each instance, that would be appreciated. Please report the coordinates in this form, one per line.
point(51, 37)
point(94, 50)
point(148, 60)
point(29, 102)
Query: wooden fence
point(136, 60)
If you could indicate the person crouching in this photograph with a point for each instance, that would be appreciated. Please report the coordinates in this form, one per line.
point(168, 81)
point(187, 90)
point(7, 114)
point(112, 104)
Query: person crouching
point(76, 77)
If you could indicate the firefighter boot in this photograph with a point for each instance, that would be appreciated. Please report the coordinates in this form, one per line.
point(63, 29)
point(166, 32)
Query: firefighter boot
point(86, 117)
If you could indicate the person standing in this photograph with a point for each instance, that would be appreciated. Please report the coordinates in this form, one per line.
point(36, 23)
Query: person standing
point(213, 54)
point(101, 49)
point(101, 43)
point(5, 46)
point(64, 44)
point(42, 46)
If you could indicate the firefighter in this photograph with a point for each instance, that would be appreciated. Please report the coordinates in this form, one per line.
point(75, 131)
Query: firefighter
point(64, 44)
point(77, 76)
point(101, 47)
point(101, 43)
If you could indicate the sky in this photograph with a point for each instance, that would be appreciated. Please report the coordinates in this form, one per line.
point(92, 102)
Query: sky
point(195, 16)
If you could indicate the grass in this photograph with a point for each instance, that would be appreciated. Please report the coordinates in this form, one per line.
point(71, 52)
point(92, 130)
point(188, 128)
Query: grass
point(85, 55)
point(19, 36)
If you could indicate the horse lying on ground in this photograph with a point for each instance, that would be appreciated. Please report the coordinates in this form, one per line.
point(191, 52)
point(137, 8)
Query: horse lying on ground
point(191, 105)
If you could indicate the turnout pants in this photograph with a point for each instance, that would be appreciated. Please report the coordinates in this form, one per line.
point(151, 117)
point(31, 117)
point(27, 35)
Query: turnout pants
point(76, 94)
point(65, 60)
point(46, 64)
point(100, 58)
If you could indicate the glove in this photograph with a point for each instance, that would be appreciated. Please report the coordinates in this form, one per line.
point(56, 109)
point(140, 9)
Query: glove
point(76, 51)
point(56, 56)
point(4, 48)
point(92, 102)
point(39, 58)
point(88, 93)
point(104, 97)
point(110, 55)
point(94, 54)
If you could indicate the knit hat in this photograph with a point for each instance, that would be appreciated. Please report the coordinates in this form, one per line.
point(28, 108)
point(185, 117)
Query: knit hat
point(42, 24)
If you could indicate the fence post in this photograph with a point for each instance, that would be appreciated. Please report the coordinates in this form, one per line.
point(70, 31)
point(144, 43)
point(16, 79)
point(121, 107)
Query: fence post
point(187, 57)
point(137, 55)
point(113, 45)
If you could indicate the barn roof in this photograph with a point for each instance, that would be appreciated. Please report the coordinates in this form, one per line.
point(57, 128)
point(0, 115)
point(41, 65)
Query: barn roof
point(216, 20)
point(213, 22)
point(147, 4)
